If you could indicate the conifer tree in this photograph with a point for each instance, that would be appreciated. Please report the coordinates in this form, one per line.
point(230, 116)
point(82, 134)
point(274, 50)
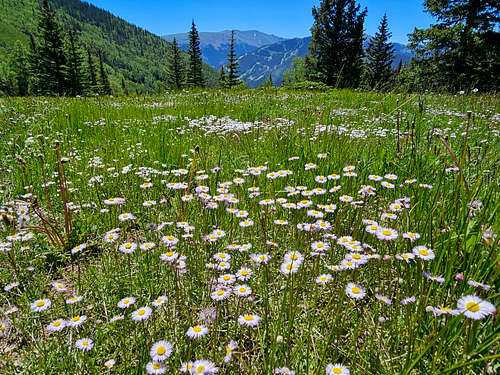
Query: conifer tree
point(50, 52)
point(91, 72)
point(176, 67)
point(75, 76)
point(105, 88)
point(337, 43)
point(232, 65)
point(124, 87)
point(20, 67)
point(380, 53)
point(222, 77)
point(462, 50)
point(195, 73)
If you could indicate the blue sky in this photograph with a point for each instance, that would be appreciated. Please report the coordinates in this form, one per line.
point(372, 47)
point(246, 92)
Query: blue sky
point(285, 18)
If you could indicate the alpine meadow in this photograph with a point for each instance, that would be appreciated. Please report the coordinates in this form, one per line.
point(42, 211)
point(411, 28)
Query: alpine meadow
point(158, 216)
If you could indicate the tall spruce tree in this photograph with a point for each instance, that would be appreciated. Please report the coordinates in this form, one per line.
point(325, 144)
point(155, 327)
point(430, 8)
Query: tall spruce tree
point(105, 86)
point(379, 53)
point(232, 65)
point(51, 60)
point(92, 77)
point(19, 62)
point(176, 67)
point(75, 76)
point(337, 43)
point(222, 77)
point(462, 50)
point(195, 73)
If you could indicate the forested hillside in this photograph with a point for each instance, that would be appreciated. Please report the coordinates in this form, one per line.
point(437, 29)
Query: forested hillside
point(131, 53)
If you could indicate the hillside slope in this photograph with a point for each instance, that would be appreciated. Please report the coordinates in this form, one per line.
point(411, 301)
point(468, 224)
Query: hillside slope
point(137, 55)
point(276, 58)
point(215, 45)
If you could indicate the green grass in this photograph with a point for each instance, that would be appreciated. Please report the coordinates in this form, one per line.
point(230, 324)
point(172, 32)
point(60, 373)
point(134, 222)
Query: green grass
point(305, 326)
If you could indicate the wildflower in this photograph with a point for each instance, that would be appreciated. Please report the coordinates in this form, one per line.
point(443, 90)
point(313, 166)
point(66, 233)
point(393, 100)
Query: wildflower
point(169, 240)
point(444, 310)
point(126, 216)
point(109, 363)
point(387, 185)
point(208, 315)
point(439, 279)
point(76, 321)
point(203, 367)
point(222, 257)
point(355, 291)
point(56, 325)
point(197, 331)
point(59, 287)
point(11, 286)
point(408, 300)
point(323, 278)
point(147, 246)
point(142, 313)
point(423, 253)
point(477, 284)
point(474, 307)
point(346, 198)
point(337, 369)
point(78, 248)
point(220, 294)
point(73, 300)
point(242, 290)
point(249, 320)
point(406, 257)
point(4, 328)
point(244, 274)
point(411, 236)
point(246, 223)
point(160, 351)
point(169, 256)
point(386, 234)
point(128, 247)
point(284, 371)
point(294, 256)
point(126, 302)
point(229, 350)
point(159, 301)
point(226, 279)
point(383, 299)
point(388, 215)
point(155, 368)
point(40, 305)
point(84, 344)
point(11, 310)
point(289, 267)
point(222, 266)
point(110, 237)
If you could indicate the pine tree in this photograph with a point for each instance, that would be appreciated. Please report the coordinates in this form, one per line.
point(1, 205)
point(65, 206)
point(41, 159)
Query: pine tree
point(124, 87)
point(105, 88)
point(176, 67)
point(50, 54)
point(75, 76)
point(380, 53)
point(222, 77)
point(19, 62)
point(337, 43)
point(462, 50)
point(232, 65)
point(91, 73)
point(195, 73)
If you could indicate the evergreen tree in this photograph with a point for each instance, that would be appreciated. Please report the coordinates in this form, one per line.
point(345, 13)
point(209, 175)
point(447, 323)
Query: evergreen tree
point(176, 67)
point(105, 86)
point(50, 54)
point(337, 43)
point(19, 62)
point(75, 76)
point(462, 50)
point(91, 73)
point(195, 73)
point(232, 65)
point(124, 87)
point(380, 53)
point(222, 76)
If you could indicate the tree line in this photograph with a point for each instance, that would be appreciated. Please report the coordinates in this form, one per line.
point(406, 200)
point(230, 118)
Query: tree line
point(460, 52)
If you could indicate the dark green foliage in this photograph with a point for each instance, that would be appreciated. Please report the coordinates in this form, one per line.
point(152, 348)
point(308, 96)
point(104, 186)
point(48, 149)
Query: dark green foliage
point(176, 67)
point(337, 43)
point(222, 77)
point(75, 75)
point(232, 65)
point(49, 69)
point(195, 73)
point(462, 50)
point(105, 86)
point(124, 87)
point(379, 56)
point(296, 73)
point(92, 77)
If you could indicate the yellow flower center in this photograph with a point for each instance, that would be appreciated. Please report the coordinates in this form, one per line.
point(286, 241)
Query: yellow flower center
point(320, 245)
point(197, 329)
point(289, 267)
point(75, 318)
point(294, 257)
point(356, 256)
point(200, 369)
point(423, 252)
point(126, 301)
point(244, 272)
point(355, 290)
point(472, 306)
point(85, 343)
point(141, 312)
point(58, 323)
point(248, 318)
point(386, 232)
point(337, 370)
point(222, 256)
point(156, 366)
point(128, 246)
point(220, 292)
point(160, 350)
point(242, 290)
point(226, 278)
point(40, 303)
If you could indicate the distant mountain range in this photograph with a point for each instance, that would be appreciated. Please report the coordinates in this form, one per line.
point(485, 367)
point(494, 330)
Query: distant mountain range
point(215, 45)
point(262, 54)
